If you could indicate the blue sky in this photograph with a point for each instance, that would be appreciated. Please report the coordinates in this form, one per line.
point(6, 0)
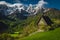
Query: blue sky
point(51, 3)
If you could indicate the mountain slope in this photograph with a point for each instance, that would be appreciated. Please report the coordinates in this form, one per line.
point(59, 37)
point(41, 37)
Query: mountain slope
point(51, 35)
point(28, 25)
point(53, 13)
point(14, 19)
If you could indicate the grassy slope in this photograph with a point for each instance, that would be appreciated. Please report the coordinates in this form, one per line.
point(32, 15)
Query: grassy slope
point(51, 35)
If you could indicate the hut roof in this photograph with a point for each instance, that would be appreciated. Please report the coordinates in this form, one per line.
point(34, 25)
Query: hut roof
point(47, 20)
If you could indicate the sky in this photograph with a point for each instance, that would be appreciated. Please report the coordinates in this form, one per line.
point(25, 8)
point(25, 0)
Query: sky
point(51, 3)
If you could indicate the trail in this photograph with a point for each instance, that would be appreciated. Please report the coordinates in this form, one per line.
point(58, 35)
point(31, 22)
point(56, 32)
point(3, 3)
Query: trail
point(36, 32)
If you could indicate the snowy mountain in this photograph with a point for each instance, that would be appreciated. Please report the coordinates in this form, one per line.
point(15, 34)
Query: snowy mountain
point(8, 8)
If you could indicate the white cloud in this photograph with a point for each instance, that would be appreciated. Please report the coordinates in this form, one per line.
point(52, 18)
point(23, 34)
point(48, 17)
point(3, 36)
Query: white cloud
point(41, 4)
point(3, 2)
point(19, 5)
point(9, 4)
point(14, 6)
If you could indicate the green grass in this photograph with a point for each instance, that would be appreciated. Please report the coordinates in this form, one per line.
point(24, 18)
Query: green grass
point(14, 35)
point(50, 35)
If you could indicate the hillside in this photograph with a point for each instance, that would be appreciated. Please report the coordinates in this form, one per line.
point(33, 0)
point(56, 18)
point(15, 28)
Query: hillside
point(22, 26)
point(18, 20)
point(53, 13)
point(51, 35)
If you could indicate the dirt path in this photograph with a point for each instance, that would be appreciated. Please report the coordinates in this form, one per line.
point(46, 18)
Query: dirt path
point(36, 32)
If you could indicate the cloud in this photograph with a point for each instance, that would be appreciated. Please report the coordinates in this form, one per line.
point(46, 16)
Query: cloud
point(14, 6)
point(41, 4)
point(9, 4)
point(3, 2)
point(20, 6)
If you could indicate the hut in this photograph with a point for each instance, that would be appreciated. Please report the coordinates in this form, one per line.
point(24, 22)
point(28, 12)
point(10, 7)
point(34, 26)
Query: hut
point(44, 20)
